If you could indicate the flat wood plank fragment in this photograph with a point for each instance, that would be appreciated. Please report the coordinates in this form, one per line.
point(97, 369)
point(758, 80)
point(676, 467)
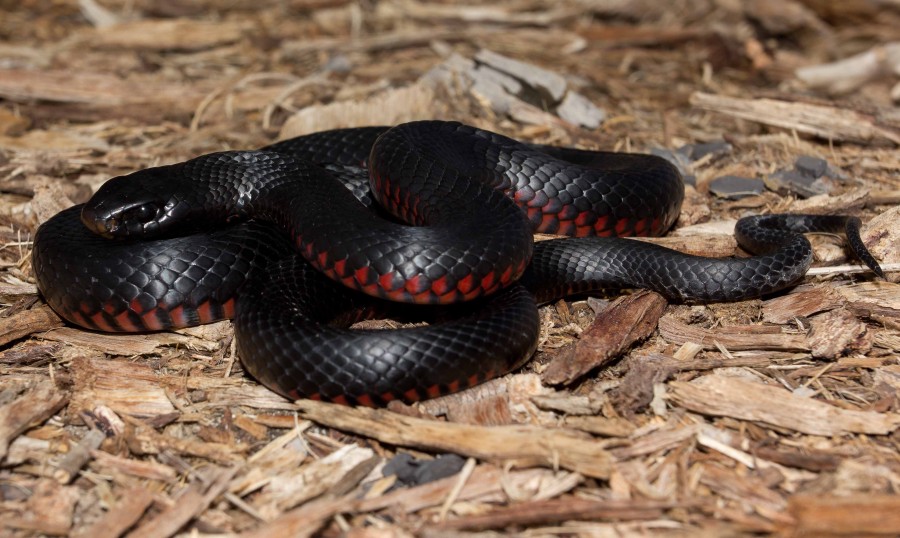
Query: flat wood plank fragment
point(724, 396)
point(656, 441)
point(627, 320)
point(520, 445)
point(826, 122)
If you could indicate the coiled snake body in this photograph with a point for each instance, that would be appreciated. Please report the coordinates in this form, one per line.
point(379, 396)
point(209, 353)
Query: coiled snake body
point(461, 205)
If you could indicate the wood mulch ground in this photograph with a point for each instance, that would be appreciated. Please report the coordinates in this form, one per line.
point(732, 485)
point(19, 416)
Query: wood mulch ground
point(636, 417)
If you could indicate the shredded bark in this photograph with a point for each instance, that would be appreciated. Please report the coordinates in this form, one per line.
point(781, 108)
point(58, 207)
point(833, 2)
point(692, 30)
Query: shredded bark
point(636, 417)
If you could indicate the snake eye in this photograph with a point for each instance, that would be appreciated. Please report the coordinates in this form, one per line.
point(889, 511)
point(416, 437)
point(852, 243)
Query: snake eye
point(143, 213)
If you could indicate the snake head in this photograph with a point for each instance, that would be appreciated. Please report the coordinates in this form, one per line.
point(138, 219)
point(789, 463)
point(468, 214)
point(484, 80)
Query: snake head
point(143, 204)
point(177, 198)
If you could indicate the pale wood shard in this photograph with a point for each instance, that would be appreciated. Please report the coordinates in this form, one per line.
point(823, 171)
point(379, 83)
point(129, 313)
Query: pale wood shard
point(291, 488)
point(579, 110)
point(90, 89)
point(645, 443)
point(873, 298)
point(848, 74)
point(415, 102)
point(852, 515)
point(699, 243)
point(511, 14)
point(26, 449)
point(38, 404)
point(563, 509)
point(550, 85)
point(518, 445)
point(800, 303)
point(126, 387)
point(168, 34)
point(882, 237)
point(627, 320)
point(123, 344)
point(826, 122)
point(603, 426)
point(837, 333)
point(732, 397)
point(749, 491)
point(734, 338)
point(149, 470)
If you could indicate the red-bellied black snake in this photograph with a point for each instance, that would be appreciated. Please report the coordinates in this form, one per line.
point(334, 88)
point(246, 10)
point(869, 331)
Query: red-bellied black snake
point(473, 198)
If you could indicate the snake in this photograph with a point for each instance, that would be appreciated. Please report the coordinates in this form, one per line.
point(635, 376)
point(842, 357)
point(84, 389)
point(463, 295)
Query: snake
point(431, 220)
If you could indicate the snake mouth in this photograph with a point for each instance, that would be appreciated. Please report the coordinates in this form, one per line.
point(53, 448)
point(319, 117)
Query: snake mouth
point(102, 226)
point(139, 219)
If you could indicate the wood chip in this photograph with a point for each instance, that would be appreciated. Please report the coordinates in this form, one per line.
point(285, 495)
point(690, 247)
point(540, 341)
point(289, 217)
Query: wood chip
point(732, 397)
point(124, 344)
point(128, 511)
point(853, 515)
point(168, 34)
point(732, 338)
point(89, 88)
point(192, 501)
point(415, 102)
point(29, 410)
point(38, 319)
point(519, 445)
point(838, 333)
point(549, 84)
point(126, 387)
point(800, 303)
point(826, 122)
point(563, 509)
point(627, 320)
